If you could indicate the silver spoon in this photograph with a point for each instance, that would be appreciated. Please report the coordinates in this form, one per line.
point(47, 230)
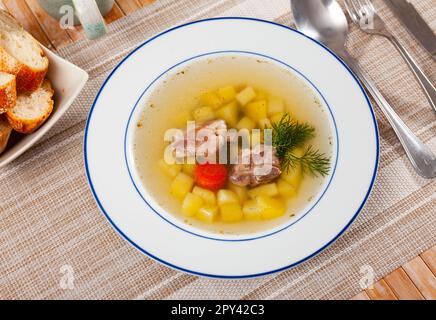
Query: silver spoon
point(325, 21)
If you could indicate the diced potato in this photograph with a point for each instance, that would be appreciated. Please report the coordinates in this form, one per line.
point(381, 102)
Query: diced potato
point(275, 105)
point(171, 170)
point(293, 176)
point(180, 121)
point(265, 124)
point(227, 196)
point(188, 169)
point(191, 204)
point(276, 117)
point(245, 96)
point(256, 110)
point(207, 195)
point(271, 208)
point(299, 152)
point(240, 191)
point(246, 123)
point(286, 189)
point(231, 212)
point(265, 190)
point(203, 114)
point(207, 213)
point(261, 95)
point(211, 99)
point(226, 94)
point(181, 185)
point(252, 210)
point(229, 113)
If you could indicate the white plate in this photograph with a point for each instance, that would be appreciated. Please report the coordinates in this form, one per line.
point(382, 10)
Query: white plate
point(157, 234)
point(67, 80)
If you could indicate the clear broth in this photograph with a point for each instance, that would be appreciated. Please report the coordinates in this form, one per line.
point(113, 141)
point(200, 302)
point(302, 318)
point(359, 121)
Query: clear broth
point(178, 92)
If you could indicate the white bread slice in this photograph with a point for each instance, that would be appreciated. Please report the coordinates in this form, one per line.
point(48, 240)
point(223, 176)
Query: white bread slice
point(8, 92)
point(32, 109)
point(21, 54)
point(5, 133)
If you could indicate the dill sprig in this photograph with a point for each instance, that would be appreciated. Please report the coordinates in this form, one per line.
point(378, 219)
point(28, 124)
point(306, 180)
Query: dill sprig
point(289, 134)
point(312, 162)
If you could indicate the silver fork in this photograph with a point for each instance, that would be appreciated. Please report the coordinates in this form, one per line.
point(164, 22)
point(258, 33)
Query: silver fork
point(363, 13)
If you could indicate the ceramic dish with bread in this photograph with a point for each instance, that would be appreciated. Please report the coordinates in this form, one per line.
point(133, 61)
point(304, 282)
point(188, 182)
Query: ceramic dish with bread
point(36, 88)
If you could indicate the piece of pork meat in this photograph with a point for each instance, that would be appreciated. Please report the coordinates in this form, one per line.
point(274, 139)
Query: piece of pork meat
point(212, 135)
point(255, 166)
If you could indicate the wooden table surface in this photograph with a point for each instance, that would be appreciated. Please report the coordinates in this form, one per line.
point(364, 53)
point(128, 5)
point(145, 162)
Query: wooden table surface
point(415, 280)
point(48, 31)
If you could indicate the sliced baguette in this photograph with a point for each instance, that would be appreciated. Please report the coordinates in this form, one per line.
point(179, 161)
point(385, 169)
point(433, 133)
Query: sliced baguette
point(32, 110)
point(8, 92)
point(21, 54)
point(5, 133)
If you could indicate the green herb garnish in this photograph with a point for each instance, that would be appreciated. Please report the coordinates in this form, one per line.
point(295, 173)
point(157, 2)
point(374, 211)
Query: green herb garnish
point(289, 134)
point(312, 161)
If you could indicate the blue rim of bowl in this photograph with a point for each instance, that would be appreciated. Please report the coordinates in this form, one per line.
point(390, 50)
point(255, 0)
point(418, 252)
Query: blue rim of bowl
point(294, 221)
point(247, 275)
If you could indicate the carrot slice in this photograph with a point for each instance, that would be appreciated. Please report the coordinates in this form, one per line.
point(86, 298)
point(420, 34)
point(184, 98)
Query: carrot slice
point(211, 176)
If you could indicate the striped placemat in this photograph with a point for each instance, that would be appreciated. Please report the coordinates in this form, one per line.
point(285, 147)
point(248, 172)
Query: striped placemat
point(55, 243)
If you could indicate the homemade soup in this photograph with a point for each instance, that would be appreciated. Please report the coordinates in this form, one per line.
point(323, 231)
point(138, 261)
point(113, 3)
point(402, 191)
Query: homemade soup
point(257, 179)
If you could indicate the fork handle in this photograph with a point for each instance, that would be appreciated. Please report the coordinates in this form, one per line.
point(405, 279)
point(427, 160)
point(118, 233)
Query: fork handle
point(421, 157)
point(424, 81)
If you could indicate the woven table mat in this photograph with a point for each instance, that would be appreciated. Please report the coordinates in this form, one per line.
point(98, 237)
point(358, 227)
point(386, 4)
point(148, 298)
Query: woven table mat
point(55, 243)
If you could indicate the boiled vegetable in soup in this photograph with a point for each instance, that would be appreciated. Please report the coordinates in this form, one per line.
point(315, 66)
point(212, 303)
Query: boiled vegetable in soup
point(272, 154)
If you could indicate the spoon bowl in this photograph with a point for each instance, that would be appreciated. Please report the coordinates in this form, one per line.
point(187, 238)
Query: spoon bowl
point(322, 20)
point(325, 21)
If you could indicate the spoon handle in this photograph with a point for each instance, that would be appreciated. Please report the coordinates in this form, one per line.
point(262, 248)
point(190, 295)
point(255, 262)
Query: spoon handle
point(421, 157)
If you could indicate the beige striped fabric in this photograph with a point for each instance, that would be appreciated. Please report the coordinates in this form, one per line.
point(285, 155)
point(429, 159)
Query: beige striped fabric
point(55, 244)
